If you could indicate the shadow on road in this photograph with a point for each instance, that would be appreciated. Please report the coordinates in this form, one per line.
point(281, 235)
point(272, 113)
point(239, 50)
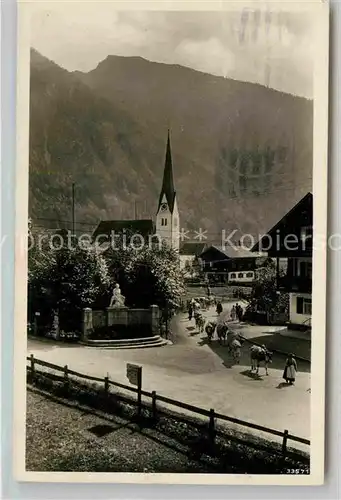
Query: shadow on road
point(282, 385)
point(253, 375)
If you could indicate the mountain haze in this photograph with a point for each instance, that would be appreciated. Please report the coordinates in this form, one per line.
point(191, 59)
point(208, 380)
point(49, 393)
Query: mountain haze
point(242, 153)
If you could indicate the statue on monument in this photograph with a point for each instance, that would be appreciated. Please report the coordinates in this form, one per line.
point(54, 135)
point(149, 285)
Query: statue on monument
point(117, 299)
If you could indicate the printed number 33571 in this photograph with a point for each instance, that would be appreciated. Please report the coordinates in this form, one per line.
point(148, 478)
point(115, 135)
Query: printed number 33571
point(298, 471)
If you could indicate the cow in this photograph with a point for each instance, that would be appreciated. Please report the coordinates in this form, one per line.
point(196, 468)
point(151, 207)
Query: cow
point(199, 322)
point(222, 330)
point(210, 329)
point(260, 354)
point(234, 342)
point(204, 302)
point(235, 349)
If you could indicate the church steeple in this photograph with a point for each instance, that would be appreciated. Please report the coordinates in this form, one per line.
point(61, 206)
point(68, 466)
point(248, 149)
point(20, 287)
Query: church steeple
point(167, 215)
point(167, 190)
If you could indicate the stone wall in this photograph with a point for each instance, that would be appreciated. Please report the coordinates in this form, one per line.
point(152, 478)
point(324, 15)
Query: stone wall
point(122, 317)
point(99, 318)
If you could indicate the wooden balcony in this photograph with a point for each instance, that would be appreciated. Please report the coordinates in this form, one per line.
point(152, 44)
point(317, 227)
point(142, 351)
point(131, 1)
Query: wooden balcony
point(290, 283)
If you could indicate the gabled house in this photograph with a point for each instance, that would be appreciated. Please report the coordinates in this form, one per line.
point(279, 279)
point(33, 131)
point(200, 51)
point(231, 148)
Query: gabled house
point(189, 253)
point(292, 239)
point(229, 263)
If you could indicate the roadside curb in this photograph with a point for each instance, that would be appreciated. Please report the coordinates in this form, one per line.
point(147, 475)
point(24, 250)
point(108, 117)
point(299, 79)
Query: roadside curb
point(278, 351)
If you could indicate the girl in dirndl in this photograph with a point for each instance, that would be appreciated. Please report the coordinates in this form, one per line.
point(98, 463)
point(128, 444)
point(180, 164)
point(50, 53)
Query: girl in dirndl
point(290, 370)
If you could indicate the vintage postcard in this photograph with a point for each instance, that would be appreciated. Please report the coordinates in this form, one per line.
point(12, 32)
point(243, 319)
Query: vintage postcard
point(171, 252)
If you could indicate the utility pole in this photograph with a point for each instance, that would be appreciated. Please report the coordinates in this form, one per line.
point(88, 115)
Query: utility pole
point(73, 209)
point(135, 205)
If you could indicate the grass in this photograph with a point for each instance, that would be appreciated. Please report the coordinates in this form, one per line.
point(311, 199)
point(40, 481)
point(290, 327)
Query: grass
point(58, 437)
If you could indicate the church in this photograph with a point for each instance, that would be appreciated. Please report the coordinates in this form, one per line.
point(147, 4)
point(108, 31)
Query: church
point(167, 224)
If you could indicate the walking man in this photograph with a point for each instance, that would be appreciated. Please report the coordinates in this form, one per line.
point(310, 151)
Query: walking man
point(219, 308)
point(190, 311)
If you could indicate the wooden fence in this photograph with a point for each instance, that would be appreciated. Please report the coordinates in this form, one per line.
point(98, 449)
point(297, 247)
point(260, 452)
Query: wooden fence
point(211, 414)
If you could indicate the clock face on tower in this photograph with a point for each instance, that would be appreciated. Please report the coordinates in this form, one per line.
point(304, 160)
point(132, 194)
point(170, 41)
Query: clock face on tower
point(163, 207)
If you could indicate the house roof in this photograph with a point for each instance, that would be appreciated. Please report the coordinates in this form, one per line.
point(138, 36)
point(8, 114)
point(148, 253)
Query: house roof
point(303, 205)
point(192, 248)
point(231, 252)
point(143, 227)
point(168, 182)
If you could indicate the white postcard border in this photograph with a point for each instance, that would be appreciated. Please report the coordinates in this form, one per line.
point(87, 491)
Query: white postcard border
point(319, 262)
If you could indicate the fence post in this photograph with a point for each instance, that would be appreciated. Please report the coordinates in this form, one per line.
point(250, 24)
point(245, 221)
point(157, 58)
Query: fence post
point(66, 378)
point(32, 366)
point(211, 426)
point(154, 405)
point(284, 444)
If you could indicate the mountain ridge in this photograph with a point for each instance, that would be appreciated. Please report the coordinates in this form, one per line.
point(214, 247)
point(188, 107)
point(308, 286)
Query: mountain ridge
point(106, 131)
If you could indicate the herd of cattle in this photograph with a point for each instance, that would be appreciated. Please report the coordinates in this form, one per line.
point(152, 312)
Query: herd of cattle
point(230, 338)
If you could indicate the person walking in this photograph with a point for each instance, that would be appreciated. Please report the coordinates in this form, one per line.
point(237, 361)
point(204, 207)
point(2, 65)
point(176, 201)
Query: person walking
point(290, 369)
point(240, 313)
point(219, 308)
point(233, 313)
point(190, 311)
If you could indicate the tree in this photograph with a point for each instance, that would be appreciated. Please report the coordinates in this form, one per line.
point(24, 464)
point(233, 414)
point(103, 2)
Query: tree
point(198, 267)
point(40, 258)
point(264, 296)
point(188, 268)
point(67, 278)
point(148, 276)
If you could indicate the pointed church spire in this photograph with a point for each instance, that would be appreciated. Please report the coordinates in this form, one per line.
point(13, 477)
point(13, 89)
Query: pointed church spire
point(167, 189)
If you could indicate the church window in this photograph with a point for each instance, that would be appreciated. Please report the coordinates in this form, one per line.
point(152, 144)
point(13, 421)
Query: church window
point(163, 222)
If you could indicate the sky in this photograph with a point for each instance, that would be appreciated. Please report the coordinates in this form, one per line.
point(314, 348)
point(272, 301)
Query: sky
point(273, 48)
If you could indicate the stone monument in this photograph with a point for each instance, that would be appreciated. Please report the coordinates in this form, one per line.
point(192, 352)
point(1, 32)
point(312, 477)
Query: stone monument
point(117, 312)
point(117, 299)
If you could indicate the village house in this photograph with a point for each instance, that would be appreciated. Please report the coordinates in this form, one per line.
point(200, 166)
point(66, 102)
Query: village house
point(292, 239)
point(231, 264)
point(190, 257)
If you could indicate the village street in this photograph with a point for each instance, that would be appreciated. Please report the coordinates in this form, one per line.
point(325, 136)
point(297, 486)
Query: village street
point(194, 372)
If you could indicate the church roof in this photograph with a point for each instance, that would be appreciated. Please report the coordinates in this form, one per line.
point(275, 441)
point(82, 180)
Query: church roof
point(192, 248)
point(168, 182)
point(143, 227)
